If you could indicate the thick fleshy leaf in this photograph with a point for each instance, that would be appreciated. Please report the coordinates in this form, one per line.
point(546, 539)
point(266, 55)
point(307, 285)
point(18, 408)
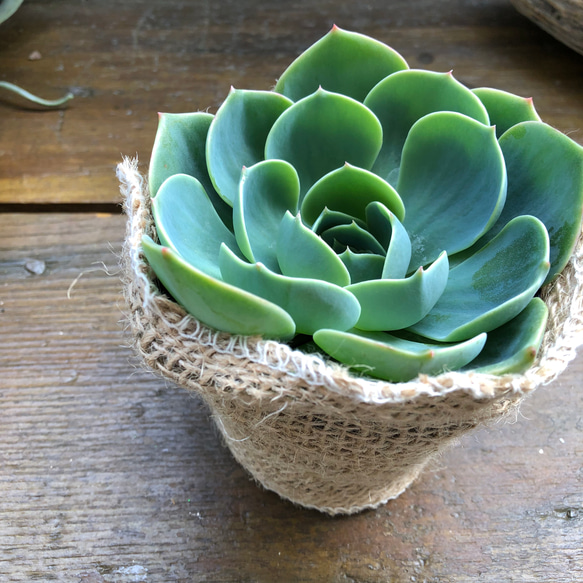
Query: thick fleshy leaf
point(349, 190)
point(321, 133)
point(301, 253)
point(506, 109)
point(512, 348)
point(187, 222)
point(343, 62)
point(179, 148)
point(354, 237)
point(237, 136)
point(388, 230)
point(393, 304)
point(545, 179)
point(362, 266)
point(493, 286)
point(403, 98)
point(393, 359)
point(453, 184)
point(312, 303)
point(214, 302)
point(329, 218)
point(266, 192)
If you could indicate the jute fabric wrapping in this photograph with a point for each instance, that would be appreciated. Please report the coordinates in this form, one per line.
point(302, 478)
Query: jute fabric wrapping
point(304, 426)
point(561, 18)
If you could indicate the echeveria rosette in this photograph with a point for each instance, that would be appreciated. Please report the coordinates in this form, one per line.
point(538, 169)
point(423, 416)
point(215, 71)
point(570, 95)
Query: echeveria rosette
point(402, 221)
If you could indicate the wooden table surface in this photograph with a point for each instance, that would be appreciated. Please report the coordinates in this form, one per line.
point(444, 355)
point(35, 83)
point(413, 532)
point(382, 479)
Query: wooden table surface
point(107, 474)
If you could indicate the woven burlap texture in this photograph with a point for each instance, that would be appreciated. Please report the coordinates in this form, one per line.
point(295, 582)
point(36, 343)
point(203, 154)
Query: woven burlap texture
point(304, 426)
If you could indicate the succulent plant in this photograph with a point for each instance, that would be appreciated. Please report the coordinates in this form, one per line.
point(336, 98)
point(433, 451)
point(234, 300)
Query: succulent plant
point(395, 218)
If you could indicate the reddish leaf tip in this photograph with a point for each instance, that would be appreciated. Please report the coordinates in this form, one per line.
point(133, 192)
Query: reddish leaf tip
point(335, 28)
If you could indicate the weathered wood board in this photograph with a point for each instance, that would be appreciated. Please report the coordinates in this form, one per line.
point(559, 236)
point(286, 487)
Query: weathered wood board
point(127, 61)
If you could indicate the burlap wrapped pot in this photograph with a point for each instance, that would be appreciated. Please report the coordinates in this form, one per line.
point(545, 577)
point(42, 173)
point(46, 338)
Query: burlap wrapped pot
point(306, 427)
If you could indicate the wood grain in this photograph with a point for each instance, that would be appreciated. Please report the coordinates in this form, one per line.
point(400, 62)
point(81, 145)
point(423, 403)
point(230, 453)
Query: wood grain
point(109, 475)
point(125, 61)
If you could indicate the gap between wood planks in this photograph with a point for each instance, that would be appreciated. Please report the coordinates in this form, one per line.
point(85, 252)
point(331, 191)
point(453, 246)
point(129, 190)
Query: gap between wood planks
point(108, 208)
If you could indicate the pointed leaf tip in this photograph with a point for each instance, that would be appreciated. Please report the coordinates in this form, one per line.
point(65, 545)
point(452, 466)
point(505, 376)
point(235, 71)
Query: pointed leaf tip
point(343, 62)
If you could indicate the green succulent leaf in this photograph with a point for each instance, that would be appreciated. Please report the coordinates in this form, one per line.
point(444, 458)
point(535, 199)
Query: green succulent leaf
point(214, 302)
point(362, 266)
point(545, 179)
point(179, 148)
point(266, 192)
point(329, 218)
point(493, 286)
point(393, 304)
point(512, 348)
point(406, 96)
point(349, 190)
point(187, 221)
point(453, 184)
point(343, 62)
point(506, 109)
point(353, 236)
point(237, 136)
point(301, 253)
point(389, 231)
point(313, 304)
point(387, 357)
point(321, 133)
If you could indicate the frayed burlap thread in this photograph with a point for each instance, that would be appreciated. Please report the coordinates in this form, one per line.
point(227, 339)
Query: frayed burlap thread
point(304, 426)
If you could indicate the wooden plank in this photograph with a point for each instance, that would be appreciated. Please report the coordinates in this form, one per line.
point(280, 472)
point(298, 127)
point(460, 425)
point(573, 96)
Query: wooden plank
point(109, 475)
point(126, 61)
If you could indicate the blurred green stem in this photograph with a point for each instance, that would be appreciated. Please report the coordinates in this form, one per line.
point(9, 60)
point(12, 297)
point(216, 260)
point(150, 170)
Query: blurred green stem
point(38, 100)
